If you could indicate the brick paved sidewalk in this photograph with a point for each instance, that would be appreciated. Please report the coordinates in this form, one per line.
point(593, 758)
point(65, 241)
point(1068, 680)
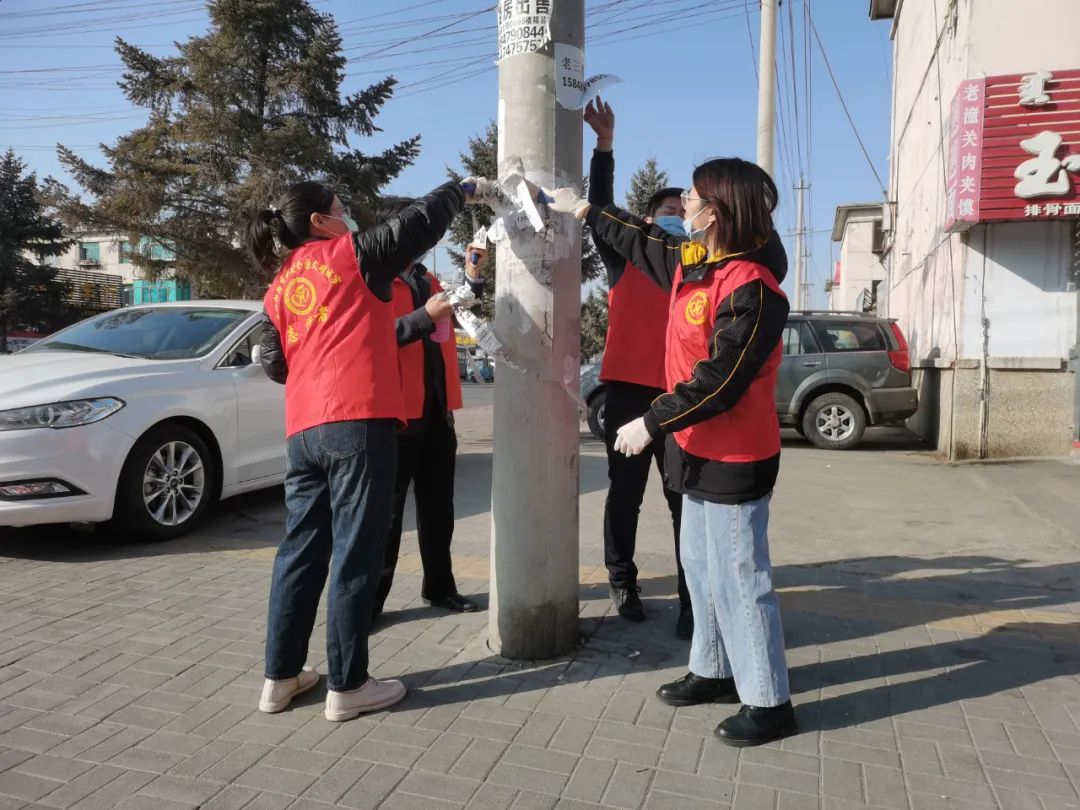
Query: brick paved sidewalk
point(932, 625)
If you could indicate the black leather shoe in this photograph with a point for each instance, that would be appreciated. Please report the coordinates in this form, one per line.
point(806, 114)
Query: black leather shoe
point(454, 602)
point(692, 690)
point(684, 627)
point(627, 602)
point(756, 726)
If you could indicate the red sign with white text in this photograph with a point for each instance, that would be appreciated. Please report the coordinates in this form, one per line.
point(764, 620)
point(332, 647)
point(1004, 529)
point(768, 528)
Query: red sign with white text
point(1014, 149)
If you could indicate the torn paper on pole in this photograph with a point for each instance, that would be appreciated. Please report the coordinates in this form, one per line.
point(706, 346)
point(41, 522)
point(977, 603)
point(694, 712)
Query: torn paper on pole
point(480, 331)
point(524, 26)
point(595, 86)
point(575, 95)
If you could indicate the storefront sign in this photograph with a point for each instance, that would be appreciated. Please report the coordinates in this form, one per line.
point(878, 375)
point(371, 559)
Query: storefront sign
point(1014, 149)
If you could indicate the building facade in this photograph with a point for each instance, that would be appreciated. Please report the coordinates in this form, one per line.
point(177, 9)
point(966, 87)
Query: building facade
point(859, 272)
point(109, 256)
point(982, 230)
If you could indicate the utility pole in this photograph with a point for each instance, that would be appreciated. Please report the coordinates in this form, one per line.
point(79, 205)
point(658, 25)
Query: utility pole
point(800, 253)
point(533, 612)
point(766, 114)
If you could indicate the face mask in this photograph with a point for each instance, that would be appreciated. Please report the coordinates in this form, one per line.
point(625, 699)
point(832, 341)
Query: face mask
point(673, 225)
point(350, 223)
point(694, 234)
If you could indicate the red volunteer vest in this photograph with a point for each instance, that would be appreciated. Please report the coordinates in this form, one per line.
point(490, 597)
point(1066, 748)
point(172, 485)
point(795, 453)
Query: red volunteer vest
point(751, 430)
point(411, 357)
point(637, 321)
point(338, 339)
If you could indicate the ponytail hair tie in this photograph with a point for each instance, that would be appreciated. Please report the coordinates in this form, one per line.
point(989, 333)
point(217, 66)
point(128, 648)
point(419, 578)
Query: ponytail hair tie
point(275, 212)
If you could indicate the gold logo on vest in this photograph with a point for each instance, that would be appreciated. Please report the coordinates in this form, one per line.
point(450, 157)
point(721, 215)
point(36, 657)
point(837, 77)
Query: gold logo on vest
point(300, 296)
point(696, 308)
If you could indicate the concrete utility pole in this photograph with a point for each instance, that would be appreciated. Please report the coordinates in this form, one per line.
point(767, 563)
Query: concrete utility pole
point(800, 252)
point(534, 539)
point(766, 113)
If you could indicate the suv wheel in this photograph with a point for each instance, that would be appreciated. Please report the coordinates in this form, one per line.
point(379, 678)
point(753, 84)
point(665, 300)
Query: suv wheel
point(166, 485)
point(834, 422)
point(596, 414)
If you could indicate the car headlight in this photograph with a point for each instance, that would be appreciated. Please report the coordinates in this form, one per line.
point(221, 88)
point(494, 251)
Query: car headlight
point(59, 415)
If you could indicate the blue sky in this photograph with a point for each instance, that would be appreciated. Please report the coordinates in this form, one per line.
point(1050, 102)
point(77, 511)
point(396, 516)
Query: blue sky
point(690, 89)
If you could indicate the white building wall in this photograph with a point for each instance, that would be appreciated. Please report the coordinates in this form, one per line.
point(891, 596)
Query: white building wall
point(1021, 277)
point(859, 265)
point(935, 278)
point(109, 257)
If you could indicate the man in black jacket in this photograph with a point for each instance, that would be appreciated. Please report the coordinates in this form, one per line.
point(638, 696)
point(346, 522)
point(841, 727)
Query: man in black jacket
point(633, 372)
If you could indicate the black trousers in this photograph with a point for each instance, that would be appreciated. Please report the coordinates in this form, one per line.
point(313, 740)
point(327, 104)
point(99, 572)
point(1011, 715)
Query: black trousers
point(426, 459)
point(628, 476)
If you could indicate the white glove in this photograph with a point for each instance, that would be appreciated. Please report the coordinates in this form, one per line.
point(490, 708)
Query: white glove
point(476, 189)
point(632, 438)
point(567, 201)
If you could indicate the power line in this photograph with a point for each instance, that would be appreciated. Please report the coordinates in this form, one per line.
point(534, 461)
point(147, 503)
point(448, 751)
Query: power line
point(843, 103)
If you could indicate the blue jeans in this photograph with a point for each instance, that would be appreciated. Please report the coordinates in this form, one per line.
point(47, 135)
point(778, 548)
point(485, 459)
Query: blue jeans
point(339, 490)
point(737, 630)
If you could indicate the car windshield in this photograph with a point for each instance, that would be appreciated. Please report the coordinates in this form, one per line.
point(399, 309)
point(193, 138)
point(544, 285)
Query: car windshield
point(162, 333)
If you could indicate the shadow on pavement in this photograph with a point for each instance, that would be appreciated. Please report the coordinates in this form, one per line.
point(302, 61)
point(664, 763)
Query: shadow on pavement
point(843, 602)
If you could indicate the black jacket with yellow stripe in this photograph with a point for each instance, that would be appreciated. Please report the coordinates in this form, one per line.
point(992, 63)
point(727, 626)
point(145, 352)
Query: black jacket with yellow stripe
point(746, 327)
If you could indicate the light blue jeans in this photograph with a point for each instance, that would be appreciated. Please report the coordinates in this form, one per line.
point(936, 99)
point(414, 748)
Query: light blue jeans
point(737, 630)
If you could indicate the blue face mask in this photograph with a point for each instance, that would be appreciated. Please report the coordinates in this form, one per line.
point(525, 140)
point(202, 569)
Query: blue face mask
point(694, 234)
point(673, 225)
point(350, 223)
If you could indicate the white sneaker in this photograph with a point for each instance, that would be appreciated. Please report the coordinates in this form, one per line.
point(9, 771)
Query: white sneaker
point(370, 697)
point(277, 695)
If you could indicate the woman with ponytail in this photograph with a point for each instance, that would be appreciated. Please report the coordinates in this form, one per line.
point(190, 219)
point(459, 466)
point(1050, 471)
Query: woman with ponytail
point(329, 337)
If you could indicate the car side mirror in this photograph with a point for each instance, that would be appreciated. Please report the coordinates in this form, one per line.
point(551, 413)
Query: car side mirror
point(256, 355)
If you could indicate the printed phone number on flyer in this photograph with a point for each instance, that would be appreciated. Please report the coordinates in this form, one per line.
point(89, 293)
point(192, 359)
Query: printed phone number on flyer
point(522, 39)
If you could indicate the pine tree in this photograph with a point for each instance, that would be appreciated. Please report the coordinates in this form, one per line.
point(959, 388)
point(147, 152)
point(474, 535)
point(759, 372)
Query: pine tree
point(645, 182)
point(30, 295)
point(480, 159)
point(594, 320)
point(234, 117)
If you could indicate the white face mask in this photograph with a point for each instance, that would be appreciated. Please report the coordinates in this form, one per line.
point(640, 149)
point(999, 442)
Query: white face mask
point(694, 234)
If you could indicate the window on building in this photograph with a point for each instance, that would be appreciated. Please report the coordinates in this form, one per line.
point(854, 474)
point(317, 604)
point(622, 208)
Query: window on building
point(125, 253)
point(89, 251)
point(799, 338)
point(853, 336)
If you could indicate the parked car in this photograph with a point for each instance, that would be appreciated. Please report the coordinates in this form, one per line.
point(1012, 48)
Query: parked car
point(841, 373)
point(140, 417)
point(594, 394)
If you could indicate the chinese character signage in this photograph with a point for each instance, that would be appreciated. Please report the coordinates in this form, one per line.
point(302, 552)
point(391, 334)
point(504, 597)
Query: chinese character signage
point(1014, 149)
point(965, 138)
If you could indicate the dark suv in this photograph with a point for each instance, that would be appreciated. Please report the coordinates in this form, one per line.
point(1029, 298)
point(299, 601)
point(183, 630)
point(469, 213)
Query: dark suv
point(841, 372)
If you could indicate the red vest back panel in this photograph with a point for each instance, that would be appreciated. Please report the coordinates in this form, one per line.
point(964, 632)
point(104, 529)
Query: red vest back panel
point(338, 339)
point(637, 321)
point(751, 430)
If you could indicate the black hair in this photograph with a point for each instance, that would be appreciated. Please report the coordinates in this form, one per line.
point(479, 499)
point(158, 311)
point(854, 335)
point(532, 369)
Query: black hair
point(656, 199)
point(390, 207)
point(743, 197)
point(288, 221)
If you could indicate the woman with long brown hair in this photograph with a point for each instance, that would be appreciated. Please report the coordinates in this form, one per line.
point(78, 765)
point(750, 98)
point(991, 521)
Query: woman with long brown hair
point(727, 314)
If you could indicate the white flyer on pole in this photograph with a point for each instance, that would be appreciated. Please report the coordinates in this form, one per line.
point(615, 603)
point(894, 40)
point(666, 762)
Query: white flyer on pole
point(569, 75)
point(524, 26)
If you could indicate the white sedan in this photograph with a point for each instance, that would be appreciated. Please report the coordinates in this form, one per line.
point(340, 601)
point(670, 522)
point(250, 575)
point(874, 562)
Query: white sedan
point(142, 416)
